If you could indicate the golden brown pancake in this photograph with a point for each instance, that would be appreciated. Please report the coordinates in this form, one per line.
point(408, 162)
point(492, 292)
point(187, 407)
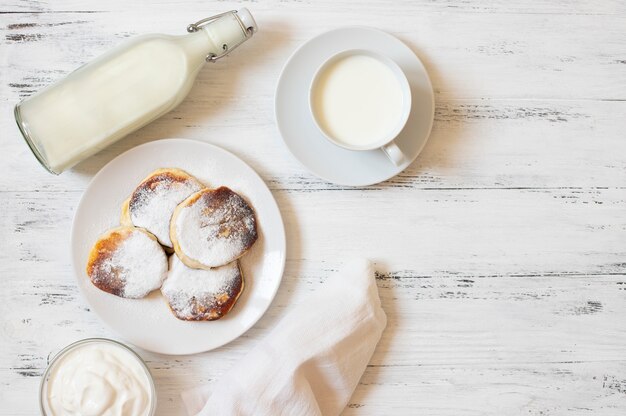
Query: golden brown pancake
point(152, 203)
point(212, 227)
point(202, 295)
point(127, 262)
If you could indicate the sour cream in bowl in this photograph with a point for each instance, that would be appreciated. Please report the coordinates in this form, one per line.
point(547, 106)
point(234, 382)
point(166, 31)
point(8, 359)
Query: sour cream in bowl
point(97, 377)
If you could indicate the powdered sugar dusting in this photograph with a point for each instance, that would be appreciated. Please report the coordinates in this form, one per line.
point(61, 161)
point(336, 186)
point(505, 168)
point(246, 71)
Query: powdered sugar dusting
point(152, 206)
point(149, 322)
point(193, 293)
point(138, 263)
point(217, 228)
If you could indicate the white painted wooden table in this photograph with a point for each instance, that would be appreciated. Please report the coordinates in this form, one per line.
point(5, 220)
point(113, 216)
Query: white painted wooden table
point(502, 249)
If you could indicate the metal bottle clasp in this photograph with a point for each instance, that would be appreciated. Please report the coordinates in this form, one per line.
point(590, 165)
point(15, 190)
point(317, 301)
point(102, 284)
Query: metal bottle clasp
point(212, 57)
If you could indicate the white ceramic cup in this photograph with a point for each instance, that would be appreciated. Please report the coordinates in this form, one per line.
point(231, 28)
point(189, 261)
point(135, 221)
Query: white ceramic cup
point(385, 143)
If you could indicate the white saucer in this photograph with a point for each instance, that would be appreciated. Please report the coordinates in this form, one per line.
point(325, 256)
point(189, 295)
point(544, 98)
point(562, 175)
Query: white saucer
point(306, 142)
point(148, 322)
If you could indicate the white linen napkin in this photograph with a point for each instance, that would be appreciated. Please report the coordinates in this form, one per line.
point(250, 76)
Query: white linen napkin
point(311, 362)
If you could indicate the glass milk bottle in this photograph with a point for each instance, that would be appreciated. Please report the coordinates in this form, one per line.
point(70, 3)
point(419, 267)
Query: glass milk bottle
point(123, 90)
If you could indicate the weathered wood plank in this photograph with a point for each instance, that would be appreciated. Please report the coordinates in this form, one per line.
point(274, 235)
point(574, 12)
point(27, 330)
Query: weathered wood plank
point(474, 144)
point(501, 251)
point(524, 336)
point(468, 55)
point(330, 7)
point(503, 232)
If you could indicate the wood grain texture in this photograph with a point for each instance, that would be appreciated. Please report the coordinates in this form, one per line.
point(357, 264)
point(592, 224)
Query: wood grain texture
point(501, 251)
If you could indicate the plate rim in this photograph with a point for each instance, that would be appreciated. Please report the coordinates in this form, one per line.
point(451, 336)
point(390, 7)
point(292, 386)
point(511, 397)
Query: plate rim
point(76, 270)
point(391, 38)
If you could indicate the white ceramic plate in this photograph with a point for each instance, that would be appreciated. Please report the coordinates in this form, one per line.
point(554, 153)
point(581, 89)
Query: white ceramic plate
point(148, 323)
point(306, 142)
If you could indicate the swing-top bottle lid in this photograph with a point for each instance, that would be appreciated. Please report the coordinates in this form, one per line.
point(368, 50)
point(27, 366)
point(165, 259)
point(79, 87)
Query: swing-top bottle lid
point(247, 19)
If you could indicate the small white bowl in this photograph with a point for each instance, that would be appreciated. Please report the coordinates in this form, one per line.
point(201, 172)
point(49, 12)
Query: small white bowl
point(43, 387)
point(386, 142)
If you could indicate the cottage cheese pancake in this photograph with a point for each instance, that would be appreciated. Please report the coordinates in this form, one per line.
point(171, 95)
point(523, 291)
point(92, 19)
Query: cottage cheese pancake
point(202, 295)
point(127, 262)
point(152, 203)
point(212, 227)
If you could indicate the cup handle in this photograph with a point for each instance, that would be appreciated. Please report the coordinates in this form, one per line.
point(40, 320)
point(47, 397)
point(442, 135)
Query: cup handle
point(394, 153)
